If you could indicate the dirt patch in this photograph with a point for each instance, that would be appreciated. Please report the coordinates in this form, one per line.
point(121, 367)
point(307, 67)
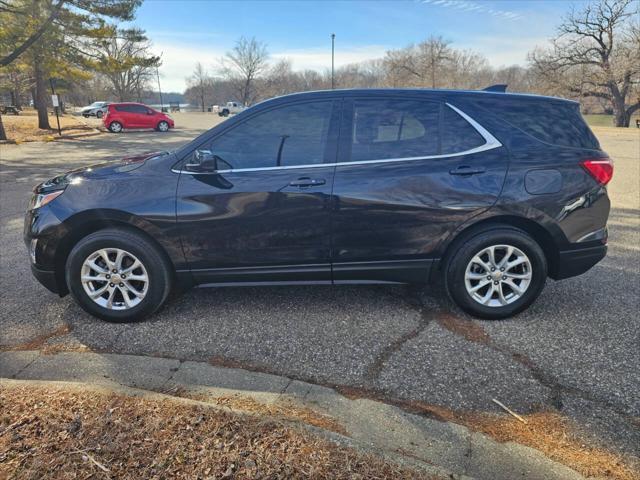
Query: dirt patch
point(24, 127)
point(51, 432)
point(467, 329)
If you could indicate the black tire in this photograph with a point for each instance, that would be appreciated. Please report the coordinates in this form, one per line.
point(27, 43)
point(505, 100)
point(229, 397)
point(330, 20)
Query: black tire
point(99, 114)
point(85, 116)
point(466, 248)
point(115, 127)
point(157, 267)
point(161, 126)
point(225, 113)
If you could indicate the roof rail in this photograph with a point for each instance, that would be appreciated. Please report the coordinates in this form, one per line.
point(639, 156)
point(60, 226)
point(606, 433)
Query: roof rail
point(499, 87)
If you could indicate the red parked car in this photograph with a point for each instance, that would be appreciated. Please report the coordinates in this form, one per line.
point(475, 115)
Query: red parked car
point(135, 115)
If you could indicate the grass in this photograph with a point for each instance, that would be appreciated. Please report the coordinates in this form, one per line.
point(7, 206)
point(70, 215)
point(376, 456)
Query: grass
point(56, 432)
point(602, 120)
point(24, 127)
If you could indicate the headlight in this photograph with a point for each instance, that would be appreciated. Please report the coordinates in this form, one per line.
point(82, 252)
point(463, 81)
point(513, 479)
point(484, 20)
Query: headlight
point(41, 199)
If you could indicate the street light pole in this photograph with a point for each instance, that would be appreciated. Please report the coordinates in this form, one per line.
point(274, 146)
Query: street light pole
point(159, 89)
point(333, 40)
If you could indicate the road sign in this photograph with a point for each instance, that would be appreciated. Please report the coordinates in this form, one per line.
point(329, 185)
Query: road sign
point(54, 100)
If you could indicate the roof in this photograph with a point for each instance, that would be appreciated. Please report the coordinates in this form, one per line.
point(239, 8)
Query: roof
point(437, 93)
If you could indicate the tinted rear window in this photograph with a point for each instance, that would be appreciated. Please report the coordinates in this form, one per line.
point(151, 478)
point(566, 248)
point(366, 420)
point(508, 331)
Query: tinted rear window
point(457, 134)
point(385, 129)
point(557, 123)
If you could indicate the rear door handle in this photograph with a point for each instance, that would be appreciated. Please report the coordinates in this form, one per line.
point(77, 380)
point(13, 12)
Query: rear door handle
point(307, 182)
point(467, 170)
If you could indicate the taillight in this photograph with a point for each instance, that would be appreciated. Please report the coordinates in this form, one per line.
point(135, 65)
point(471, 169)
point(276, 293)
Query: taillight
point(601, 169)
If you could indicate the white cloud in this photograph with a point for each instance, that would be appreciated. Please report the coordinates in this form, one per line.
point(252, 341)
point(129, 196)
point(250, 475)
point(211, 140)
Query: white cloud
point(501, 51)
point(178, 62)
point(476, 7)
point(320, 58)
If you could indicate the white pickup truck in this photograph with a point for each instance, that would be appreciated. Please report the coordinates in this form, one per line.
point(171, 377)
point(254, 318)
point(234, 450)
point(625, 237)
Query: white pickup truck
point(228, 109)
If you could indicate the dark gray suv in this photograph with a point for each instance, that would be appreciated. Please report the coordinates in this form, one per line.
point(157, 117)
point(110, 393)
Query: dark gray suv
point(488, 193)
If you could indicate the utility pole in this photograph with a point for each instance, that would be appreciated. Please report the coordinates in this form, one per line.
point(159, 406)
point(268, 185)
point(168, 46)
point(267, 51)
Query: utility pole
point(160, 89)
point(333, 41)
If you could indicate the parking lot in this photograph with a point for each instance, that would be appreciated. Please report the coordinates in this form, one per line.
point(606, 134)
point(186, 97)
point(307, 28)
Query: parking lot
point(576, 350)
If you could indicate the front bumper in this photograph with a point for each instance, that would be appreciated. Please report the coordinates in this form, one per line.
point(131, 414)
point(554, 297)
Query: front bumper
point(46, 278)
point(575, 262)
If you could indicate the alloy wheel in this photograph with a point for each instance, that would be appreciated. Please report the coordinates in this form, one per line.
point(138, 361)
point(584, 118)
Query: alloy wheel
point(114, 279)
point(498, 275)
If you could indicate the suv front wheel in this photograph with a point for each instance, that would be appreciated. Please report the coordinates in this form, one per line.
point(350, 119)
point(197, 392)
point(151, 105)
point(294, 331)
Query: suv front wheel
point(118, 275)
point(496, 273)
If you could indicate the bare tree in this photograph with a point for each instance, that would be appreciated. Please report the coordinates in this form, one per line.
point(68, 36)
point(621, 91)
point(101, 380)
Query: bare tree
point(200, 84)
point(597, 54)
point(243, 65)
point(419, 65)
point(126, 60)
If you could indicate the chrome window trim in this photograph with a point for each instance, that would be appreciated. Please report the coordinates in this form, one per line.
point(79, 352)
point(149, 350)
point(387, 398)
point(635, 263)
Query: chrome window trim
point(491, 142)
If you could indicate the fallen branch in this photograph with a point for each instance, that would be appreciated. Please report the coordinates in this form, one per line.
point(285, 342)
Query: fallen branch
point(508, 410)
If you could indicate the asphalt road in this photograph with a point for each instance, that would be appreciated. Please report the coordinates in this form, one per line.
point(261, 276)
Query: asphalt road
point(576, 350)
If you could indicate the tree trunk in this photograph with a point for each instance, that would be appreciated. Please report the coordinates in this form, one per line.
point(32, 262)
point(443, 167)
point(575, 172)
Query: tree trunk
point(41, 97)
point(621, 118)
point(3, 134)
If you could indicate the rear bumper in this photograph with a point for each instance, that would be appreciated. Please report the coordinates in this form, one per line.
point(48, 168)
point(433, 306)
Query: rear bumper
point(575, 262)
point(46, 278)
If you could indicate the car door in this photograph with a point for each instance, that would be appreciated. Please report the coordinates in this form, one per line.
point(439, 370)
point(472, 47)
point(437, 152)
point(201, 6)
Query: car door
point(263, 215)
point(150, 118)
point(410, 171)
point(139, 116)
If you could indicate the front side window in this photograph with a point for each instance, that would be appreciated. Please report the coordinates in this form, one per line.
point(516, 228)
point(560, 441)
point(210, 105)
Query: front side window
point(286, 136)
point(387, 128)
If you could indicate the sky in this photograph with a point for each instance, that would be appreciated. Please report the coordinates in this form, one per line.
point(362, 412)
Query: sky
point(190, 31)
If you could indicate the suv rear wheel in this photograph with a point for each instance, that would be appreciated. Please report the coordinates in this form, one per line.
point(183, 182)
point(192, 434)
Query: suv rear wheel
point(496, 273)
point(118, 275)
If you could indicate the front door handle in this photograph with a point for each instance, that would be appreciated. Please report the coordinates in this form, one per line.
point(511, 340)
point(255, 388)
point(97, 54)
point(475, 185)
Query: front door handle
point(307, 182)
point(467, 170)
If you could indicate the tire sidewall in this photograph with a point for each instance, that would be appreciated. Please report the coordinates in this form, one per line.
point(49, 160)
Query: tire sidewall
point(111, 127)
point(457, 265)
point(160, 128)
point(159, 277)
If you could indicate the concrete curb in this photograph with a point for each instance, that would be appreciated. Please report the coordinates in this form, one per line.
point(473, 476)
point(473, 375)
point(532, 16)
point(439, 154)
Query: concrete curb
point(442, 448)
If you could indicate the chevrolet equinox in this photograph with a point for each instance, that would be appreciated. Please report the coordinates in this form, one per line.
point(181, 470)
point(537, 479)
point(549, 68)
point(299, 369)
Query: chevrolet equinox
point(486, 192)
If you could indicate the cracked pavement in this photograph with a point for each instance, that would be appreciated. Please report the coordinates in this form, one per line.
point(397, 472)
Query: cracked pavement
point(575, 350)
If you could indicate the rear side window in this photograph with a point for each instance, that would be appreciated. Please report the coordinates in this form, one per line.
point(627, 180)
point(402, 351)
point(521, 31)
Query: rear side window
point(457, 134)
point(384, 129)
point(553, 122)
point(285, 136)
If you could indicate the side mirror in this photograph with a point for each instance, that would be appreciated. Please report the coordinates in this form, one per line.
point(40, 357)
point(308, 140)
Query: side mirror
point(203, 161)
